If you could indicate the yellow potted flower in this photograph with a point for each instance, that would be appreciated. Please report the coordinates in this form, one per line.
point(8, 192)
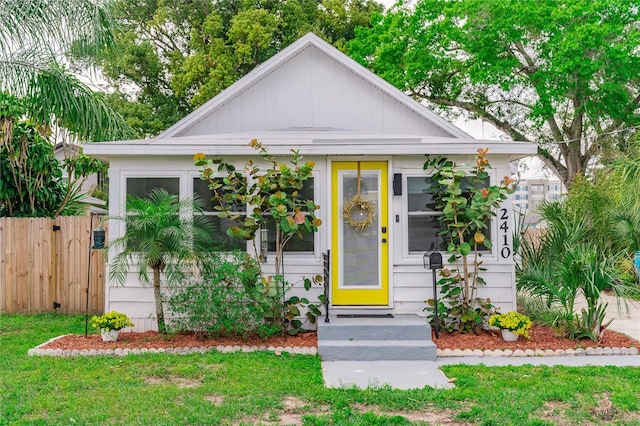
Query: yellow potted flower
point(110, 324)
point(512, 324)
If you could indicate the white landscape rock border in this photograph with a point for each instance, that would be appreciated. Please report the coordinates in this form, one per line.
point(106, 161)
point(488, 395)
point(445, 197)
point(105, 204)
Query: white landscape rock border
point(40, 351)
point(535, 353)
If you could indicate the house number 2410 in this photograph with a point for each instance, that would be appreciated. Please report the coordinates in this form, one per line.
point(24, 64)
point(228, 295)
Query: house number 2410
point(505, 250)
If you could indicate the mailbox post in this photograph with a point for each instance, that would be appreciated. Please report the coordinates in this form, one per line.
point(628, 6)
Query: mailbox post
point(434, 262)
point(98, 244)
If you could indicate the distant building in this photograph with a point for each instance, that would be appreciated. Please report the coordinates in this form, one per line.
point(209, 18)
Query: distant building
point(94, 181)
point(530, 193)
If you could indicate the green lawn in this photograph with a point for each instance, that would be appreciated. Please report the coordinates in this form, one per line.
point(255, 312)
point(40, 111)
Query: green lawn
point(262, 388)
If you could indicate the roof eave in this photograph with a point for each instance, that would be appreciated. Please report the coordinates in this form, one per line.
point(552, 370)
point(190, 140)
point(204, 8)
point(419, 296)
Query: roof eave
point(313, 147)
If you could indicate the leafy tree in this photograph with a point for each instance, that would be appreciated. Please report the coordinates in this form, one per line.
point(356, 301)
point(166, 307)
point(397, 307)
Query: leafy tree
point(610, 201)
point(467, 203)
point(561, 74)
point(595, 199)
point(274, 194)
point(31, 183)
point(177, 54)
point(161, 233)
point(36, 36)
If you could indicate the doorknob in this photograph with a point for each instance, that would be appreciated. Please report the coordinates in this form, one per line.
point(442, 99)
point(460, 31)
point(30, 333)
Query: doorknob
point(384, 229)
point(384, 240)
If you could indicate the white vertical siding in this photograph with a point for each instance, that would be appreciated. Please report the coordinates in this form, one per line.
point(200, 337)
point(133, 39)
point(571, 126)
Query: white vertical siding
point(313, 90)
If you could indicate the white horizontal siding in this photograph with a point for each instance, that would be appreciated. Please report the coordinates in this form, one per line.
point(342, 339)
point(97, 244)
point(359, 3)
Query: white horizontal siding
point(411, 283)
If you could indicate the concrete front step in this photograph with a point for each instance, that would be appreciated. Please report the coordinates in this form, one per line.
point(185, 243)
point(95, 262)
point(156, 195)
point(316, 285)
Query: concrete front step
point(401, 327)
point(404, 337)
point(376, 350)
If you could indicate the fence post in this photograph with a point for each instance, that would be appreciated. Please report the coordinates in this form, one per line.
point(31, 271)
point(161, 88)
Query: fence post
point(53, 302)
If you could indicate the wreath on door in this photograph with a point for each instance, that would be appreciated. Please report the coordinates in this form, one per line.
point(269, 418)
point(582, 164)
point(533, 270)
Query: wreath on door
point(358, 212)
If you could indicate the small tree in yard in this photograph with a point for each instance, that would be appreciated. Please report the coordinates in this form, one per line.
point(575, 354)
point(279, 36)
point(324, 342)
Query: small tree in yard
point(31, 183)
point(468, 203)
point(273, 194)
point(161, 233)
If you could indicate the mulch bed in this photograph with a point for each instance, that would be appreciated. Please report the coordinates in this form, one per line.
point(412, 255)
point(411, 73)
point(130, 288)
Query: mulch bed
point(153, 339)
point(541, 338)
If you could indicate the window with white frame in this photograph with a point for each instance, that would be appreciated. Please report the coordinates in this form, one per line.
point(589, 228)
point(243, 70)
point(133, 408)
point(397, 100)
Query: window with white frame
point(423, 224)
point(303, 244)
point(220, 240)
point(141, 187)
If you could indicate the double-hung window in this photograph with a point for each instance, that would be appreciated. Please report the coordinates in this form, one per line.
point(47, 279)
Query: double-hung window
point(423, 223)
point(141, 187)
point(220, 239)
point(303, 244)
point(423, 219)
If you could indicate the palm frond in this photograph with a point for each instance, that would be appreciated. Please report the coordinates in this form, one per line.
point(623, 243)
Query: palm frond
point(50, 91)
point(35, 35)
point(161, 230)
point(57, 25)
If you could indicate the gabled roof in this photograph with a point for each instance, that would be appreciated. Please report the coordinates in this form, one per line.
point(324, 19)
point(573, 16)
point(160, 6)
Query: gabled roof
point(347, 107)
point(211, 117)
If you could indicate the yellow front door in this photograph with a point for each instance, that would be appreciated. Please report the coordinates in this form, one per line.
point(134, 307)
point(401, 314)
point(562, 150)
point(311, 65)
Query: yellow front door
point(359, 248)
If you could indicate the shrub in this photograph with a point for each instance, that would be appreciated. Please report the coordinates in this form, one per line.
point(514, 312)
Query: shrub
point(274, 194)
point(563, 263)
point(220, 299)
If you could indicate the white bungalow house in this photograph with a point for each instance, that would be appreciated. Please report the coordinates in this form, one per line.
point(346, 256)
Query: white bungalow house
point(354, 126)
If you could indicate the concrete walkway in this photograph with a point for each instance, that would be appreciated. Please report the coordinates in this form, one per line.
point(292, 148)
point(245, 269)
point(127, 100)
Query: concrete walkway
point(397, 374)
point(418, 374)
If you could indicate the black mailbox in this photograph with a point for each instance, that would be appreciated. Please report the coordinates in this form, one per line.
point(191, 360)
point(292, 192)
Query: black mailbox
point(435, 260)
point(98, 238)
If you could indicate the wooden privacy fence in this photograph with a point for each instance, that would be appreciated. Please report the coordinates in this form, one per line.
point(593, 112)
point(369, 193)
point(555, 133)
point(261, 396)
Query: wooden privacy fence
point(44, 265)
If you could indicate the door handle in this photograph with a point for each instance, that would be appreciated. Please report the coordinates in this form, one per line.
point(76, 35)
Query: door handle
point(384, 240)
point(384, 229)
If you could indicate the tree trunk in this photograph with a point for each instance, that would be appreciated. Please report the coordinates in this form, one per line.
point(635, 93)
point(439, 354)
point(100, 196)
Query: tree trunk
point(158, 299)
point(466, 297)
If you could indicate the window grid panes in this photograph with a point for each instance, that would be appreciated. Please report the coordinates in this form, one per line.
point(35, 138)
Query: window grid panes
point(141, 186)
point(304, 243)
point(220, 239)
point(423, 224)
